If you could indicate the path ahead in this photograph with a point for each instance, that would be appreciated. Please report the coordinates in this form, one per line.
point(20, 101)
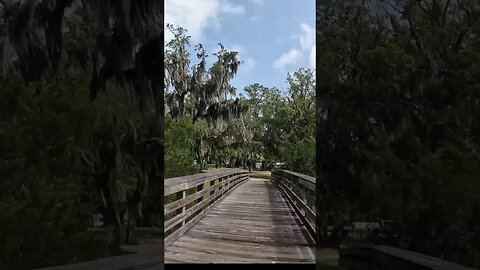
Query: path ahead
point(254, 224)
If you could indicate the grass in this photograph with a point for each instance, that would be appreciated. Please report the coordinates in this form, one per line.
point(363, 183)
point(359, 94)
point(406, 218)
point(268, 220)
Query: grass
point(261, 174)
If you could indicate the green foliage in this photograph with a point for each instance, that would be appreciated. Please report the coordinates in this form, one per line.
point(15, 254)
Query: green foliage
point(284, 122)
point(44, 203)
point(47, 141)
point(196, 90)
point(180, 139)
point(300, 156)
point(398, 121)
point(62, 157)
point(202, 94)
point(276, 127)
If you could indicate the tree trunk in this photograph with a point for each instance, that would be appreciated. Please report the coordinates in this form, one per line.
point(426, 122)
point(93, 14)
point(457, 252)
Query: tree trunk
point(112, 211)
point(199, 154)
point(129, 234)
point(117, 231)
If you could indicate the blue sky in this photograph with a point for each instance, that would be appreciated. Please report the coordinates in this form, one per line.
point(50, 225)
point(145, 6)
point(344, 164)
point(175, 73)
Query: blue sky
point(273, 37)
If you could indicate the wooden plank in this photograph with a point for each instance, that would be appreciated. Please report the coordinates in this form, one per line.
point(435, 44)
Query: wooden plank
point(245, 221)
point(190, 211)
point(171, 238)
point(304, 180)
point(301, 205)
point(182, 255)
point(248, 250)
point(177, 184)
point(250, 230)
point(169, 208)
point(184, 215)
point(174, 236)
point(271, 239)
point(296, 188)
point(254, 224)
point(311, 228)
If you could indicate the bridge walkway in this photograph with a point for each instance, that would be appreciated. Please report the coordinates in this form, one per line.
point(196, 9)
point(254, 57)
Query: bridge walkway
point(254, 224)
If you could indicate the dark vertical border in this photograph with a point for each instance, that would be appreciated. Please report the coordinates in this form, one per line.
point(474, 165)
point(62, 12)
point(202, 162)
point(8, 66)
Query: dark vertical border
point(161, 152)
point(317, 144)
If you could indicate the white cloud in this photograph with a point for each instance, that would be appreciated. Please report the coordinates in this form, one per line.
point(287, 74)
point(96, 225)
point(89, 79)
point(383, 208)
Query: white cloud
point(229, 8)
point(288, 58)
point(258, 2)
point(197, 15)
point(307, 38)
point(305, 47)
point(313, 57)
point(254, 18)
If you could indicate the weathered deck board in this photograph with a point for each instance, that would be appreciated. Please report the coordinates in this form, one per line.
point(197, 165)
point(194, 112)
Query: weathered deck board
point(254, 224)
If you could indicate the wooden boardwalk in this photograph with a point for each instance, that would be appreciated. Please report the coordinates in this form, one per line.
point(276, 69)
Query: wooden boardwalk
point(254, 224)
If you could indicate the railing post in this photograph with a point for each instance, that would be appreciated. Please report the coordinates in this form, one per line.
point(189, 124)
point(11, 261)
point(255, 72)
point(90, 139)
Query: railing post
point(220, 186)
point(225, 188)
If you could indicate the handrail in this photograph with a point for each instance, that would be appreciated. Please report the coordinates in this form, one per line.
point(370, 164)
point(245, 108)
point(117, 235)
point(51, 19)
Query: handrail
point(189, 198)
point(300, 191)
point(388, 257)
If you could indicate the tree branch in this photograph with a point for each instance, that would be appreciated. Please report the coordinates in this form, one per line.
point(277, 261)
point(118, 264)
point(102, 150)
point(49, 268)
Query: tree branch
point(412, 31)
point(392, 6)
point(428, 12)
point(445, 9)
point(458, 42)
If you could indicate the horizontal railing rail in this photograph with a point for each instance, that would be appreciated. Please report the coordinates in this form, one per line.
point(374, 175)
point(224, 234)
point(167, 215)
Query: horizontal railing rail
point(388, 257)
point(189, 198)
point(300, 191)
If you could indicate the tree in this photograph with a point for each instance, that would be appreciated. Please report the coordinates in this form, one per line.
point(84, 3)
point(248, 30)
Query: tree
point(397, 123)
point(284, 121)
point(48, 38)
point(202, 94)
point(181, 137)
point(47, 203)
point(206, 91)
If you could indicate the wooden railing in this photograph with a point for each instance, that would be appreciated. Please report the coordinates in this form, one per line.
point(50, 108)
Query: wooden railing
point(189, 198)
point(387, 257)
point(300, 191)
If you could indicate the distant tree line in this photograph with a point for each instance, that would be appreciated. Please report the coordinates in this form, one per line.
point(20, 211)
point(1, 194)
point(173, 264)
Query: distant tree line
point(207, 122)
